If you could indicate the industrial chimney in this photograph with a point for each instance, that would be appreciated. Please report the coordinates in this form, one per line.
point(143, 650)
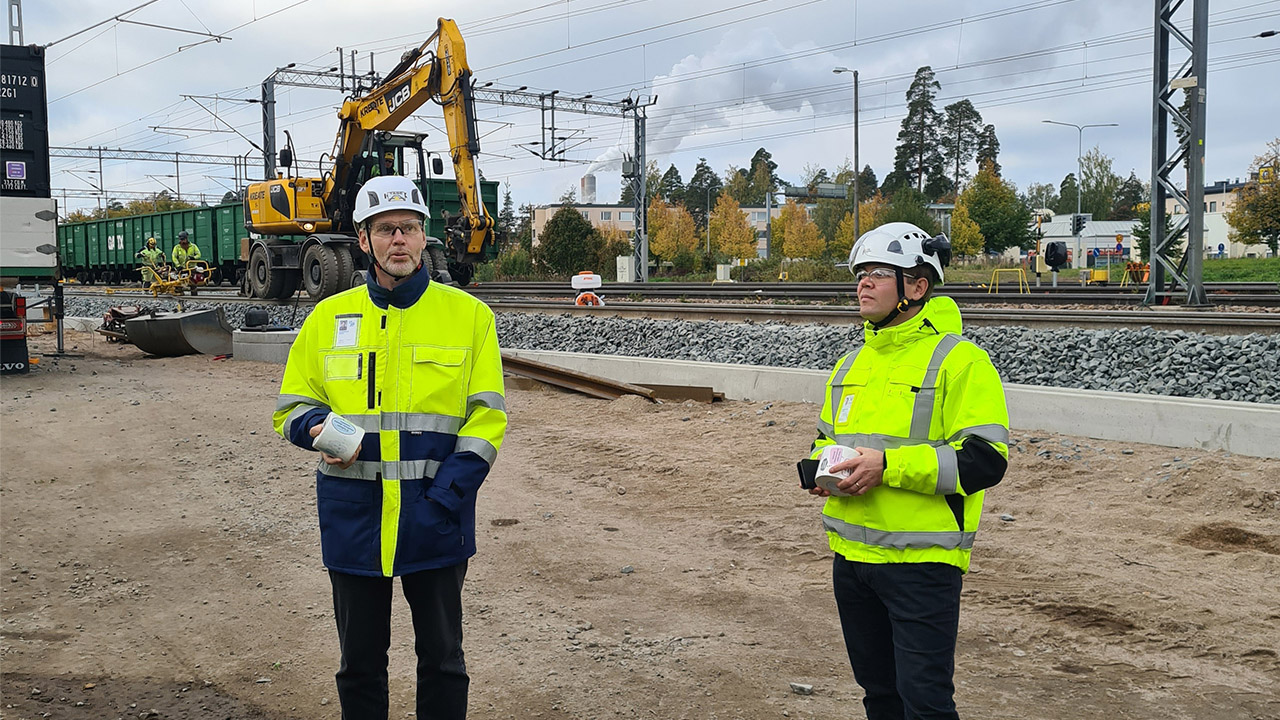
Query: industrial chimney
point(588, 187)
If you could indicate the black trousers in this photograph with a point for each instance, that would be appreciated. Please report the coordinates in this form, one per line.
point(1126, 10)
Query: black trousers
point(900, 623)
point(362, 607)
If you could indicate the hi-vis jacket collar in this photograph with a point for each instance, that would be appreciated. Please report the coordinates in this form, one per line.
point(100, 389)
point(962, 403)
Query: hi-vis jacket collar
point(405, 294)
point(939, 315)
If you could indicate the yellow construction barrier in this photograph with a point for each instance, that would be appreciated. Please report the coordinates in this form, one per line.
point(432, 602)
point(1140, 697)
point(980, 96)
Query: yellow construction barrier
point(994, 287)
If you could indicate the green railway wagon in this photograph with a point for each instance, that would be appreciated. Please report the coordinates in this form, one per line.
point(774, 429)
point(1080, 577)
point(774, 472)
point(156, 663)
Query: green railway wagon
point(442, 197)
point(104, 251)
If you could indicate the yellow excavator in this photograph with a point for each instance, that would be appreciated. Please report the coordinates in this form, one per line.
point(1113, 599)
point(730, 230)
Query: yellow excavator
point(304, 223)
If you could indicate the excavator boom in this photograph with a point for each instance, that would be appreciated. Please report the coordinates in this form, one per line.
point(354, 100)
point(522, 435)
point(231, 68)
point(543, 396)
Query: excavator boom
point(442, 76)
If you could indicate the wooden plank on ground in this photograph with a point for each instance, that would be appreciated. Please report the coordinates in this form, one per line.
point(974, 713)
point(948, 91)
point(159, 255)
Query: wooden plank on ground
point(585, 383)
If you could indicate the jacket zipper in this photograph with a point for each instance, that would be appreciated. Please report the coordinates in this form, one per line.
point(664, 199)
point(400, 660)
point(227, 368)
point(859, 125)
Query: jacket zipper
point(373, 378)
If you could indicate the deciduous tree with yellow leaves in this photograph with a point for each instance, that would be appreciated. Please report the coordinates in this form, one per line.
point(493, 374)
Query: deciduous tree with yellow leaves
point(966, 238)
point(731, 232)
point(801, 238)
point(671, 230)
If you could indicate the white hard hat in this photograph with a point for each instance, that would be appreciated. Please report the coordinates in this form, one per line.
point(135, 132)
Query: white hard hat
point(388, 192)
point(901, 245)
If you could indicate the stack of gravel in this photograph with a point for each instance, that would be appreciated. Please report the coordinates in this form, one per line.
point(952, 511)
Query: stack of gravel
point(1156, 362)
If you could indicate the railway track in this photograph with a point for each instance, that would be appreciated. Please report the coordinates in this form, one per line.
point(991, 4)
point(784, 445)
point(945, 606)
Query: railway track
point(1215, 322)
point(1252, 294)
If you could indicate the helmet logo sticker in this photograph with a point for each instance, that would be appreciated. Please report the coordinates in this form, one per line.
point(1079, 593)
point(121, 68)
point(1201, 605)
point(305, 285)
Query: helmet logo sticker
point(396, 196)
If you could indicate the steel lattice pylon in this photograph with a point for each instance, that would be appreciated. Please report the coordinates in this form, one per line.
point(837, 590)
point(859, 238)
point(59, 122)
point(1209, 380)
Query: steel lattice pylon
point(1191, 76)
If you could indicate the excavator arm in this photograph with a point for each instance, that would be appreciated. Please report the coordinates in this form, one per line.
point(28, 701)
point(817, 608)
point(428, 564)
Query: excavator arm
point(443, 76)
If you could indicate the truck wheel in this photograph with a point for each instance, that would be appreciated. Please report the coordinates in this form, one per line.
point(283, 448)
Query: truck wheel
point(439, 265)
point(265, 282)
point(320, 274)
point(346, 266)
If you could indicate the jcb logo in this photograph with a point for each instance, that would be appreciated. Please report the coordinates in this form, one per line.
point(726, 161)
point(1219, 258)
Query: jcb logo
point(398, 97)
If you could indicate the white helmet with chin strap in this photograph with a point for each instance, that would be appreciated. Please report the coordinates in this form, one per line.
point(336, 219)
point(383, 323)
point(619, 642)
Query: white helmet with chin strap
point(382, 194)
point(388, 192)
point(902, 246)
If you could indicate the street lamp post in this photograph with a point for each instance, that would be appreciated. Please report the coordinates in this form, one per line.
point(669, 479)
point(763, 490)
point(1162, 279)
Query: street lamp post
point(1078, 261)
point(857, 226)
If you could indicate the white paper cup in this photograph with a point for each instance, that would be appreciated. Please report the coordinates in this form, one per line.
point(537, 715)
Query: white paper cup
point(338, 437)
point(833, 455)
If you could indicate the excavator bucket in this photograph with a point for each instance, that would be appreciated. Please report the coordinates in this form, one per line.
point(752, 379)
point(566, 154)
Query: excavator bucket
point(181, 333)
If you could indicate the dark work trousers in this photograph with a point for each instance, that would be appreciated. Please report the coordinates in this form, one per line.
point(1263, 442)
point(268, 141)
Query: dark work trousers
point(362, 607)
point(900, 623)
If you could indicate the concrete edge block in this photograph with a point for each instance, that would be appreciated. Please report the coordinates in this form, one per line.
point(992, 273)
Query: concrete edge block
point(1251, 429)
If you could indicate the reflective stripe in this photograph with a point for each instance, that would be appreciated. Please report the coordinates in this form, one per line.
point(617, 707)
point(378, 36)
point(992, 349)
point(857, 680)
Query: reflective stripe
point(947, 540)
point(837, 378)
point(479, 446)
point(992, 433)
point(922, 413)
point(421, 422)
point(297, 414)
point(359, 470)
point(391, 470)
point(283, 402)
point(490, 400)
point(390, 525)
point(948, 470)
point(367, 423)
point(881, 442)
point(826, 428)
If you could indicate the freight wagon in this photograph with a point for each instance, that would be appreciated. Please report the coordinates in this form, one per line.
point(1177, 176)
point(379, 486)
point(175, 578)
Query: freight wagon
point(104, 251)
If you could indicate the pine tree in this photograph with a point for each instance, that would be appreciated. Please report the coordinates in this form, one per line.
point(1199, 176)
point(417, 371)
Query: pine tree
point(989, 149)
point(867, 182)
point(507, 216)
point(704, 186)
point(918, 157)
point(963, 129)
point(671, 188)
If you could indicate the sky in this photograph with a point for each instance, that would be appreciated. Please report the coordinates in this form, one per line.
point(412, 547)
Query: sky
point(729, 76)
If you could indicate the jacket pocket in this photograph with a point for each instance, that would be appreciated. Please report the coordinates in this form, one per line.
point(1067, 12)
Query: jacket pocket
point(345, 380)
point(350, 523)
point(912, 401)
point(438, 380)
point(429, 532)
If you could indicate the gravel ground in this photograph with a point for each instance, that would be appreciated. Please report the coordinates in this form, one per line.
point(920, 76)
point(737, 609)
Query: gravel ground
point(1156, 362)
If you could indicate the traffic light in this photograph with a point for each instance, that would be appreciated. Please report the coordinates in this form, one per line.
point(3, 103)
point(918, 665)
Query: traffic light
point(1077, 224)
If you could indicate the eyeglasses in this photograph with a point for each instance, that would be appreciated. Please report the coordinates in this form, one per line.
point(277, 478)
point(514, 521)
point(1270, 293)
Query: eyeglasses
point(876, 275)
point(410, 228)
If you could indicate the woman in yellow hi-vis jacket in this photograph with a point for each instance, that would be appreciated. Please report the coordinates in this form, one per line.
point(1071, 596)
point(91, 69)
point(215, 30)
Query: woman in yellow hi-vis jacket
point(925, 411)
point(414, 364)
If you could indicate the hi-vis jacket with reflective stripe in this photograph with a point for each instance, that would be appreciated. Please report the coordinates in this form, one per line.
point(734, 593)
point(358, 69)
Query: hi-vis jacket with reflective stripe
point(418, 368)
point(933, 403)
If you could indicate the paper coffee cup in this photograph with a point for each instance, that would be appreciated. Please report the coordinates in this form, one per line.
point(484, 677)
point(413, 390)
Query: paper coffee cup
point(833, 455)
point(338, 437)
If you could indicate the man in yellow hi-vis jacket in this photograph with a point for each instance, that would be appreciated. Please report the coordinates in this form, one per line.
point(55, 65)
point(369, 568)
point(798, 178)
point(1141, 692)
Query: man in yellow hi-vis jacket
point(416, 365)
point(925, 410)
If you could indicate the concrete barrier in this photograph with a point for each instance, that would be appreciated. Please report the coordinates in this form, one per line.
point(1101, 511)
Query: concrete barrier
point(1251, 429)
point(271, 346)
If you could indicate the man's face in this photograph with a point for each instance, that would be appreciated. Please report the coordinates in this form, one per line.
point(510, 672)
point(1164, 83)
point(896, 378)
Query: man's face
point(878, 290)
point(398, 251)
point(184, 243)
